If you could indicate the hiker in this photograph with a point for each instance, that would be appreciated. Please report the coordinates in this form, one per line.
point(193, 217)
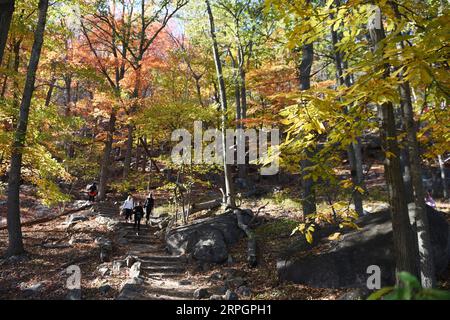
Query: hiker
point(429, 200)
point(138, 214)
point(92, 191)
point(148, 205)
point(127, 208)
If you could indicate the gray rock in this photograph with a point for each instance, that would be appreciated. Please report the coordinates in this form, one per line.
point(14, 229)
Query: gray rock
point(222, 290)
point(216, 297)
point(135, 270)
point(105, 288)
point(345, 263)
point(355, 294)
point(74, 294)
point(244, 291)
point(29, 290)
point(235, 282)
point(75, 217)
point(104, 271)
point(207, 239)
point(185, 282)
point(41, 211)
point(201, 293)
point(117, 265)
point(230, 295)
point(216, 276)
point(130, 260)
point(211, 247)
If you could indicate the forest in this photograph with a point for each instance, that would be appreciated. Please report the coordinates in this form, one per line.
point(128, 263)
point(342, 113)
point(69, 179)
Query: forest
point(224, 149)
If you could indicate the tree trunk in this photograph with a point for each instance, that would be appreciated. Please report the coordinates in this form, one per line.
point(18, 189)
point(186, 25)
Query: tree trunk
point(242, 169)
point(144, 158)
point(354, 148)
point(308, 191)
point(443, 177)
point(229, 192)
point(6, 13)
point(405, 245)
point(104, 172)
point(128, 152)
point(48, 97)
point(15, 246)
point(422, 225)
point(138, 157)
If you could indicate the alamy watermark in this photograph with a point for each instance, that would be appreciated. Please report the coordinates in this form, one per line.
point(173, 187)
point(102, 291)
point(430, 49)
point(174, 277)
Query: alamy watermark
point(261, 149)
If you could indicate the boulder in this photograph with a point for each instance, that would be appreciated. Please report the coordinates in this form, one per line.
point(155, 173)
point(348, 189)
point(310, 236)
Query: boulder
point(135, 270)
point(201, 293)
point(75, 217)
point(355, 294)
point(130, 260)
point(231, 295)
point(105, 288)
point(74, 294)
point(344, 263)
point(29, 290)
point(207, 239)
point(244, 291)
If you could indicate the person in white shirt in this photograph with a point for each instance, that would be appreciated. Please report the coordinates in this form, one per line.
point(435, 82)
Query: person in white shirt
point(127, 208)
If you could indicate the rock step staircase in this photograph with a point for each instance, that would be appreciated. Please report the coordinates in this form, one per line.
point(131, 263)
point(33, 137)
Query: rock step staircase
point(161, 274)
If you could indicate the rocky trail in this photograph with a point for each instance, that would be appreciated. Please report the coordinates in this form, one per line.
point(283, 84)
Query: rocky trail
point(153, 273)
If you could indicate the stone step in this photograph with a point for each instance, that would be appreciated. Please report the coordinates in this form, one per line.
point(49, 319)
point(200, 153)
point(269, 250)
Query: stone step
point(141, 241)
point(162, 258)
point(160, 275)
point(133, 236)
point(163, 269)
point(168, 293)
point(150, 263)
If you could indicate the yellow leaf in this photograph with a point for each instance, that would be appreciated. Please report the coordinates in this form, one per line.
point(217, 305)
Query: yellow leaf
point(309, 237)
point(334, 236)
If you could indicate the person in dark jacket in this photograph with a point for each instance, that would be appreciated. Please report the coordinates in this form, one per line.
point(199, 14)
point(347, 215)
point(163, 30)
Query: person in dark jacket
point(149, 205)
point(138, 212)
point(92, 192)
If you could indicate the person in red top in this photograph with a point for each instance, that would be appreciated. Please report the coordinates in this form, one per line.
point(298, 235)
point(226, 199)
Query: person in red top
point(92, 192)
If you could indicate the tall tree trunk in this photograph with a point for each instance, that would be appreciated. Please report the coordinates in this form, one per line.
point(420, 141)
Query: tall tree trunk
point(198, 90)
point(422, 226)
point(405, 245)
point(229, 192)
point(138, 156)
point(51, 86)
point(128, 151)
point(443, 177)
point(308, 191)
point(355, 160)
point(144, 157)
point(6, 13)
point(106, 161)
point(15, 246)
point(242, 169)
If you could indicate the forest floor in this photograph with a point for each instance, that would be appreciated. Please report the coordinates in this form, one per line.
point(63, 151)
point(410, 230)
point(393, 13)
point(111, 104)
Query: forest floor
point(41, 274)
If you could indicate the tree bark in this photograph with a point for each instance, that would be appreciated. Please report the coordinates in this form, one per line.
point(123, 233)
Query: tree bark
point(443, 177)
point(308, 191)
point(405, 245)
point(422, 226)
point(354, 148)
point(128, 152)
point(144, 157)
point(229, 192)
point(6, 13)
point(15, 246)
point(104, 172)
point(242, 169)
